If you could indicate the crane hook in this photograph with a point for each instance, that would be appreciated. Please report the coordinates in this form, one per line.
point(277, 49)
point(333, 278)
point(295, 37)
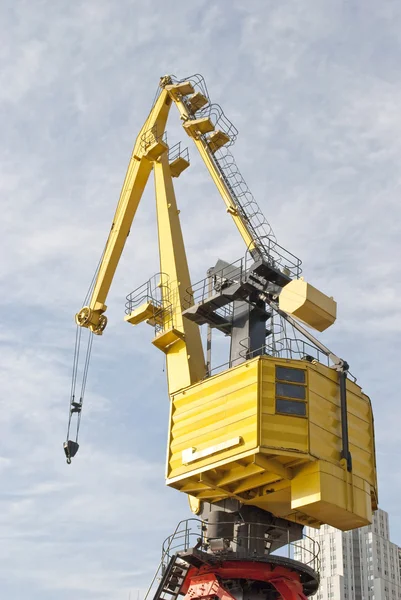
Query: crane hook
point(70, 450)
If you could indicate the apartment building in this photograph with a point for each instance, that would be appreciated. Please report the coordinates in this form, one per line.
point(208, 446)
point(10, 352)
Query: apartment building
point(356, 565)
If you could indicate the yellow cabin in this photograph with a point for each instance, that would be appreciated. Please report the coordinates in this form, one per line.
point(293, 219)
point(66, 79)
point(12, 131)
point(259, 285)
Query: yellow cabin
point(268, 432)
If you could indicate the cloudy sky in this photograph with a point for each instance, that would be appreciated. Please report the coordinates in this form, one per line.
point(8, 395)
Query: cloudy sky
point(314, 89)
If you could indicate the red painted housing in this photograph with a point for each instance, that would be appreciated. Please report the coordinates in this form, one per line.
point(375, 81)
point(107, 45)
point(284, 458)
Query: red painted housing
point(207, 582)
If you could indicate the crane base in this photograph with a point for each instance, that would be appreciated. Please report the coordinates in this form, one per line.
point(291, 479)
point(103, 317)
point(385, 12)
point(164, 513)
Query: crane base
point(276, 577)
point(230, 562)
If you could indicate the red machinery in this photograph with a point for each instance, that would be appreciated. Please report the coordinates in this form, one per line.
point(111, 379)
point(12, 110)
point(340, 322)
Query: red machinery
point(239, 567)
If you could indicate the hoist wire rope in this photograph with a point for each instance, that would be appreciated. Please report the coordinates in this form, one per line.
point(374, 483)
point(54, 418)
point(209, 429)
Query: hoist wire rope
point(157, 94)
point(92, 283)
point(75, 365)
point(83, 386)
point(120, 200)
point(284, 327)
point(78, 334)
point(297, 340)
point(84, 380)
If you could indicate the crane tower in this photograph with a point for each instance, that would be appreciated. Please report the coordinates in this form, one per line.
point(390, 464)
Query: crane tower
point(278, 437)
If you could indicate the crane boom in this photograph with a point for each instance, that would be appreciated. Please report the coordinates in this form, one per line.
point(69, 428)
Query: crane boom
point(147, 148)
point(148, 143)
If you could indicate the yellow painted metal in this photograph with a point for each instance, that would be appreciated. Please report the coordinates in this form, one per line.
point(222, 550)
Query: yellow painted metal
point(194, 504)
point(167, 338)
point(185, 88)
point(138, 172)
point(155, 149)
point(178, 165)
point(197, 101)
point(180, 338)
point(207, 156)
point(198, 126)
point(230, 436)
point(241, 446)
point(308, 304)
point(217, 140)
point(145, 312)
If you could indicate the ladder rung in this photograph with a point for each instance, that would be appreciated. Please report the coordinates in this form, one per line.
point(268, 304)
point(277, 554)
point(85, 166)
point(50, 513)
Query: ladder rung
point(174, 576)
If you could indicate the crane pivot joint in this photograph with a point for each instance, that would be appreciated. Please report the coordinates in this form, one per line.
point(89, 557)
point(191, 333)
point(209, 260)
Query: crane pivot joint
point(92, 319)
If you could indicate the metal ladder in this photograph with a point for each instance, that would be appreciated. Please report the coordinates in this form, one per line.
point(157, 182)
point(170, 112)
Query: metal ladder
point(172, 579)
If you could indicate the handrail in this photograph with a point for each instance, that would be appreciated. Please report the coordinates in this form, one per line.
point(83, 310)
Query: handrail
point(191, 532)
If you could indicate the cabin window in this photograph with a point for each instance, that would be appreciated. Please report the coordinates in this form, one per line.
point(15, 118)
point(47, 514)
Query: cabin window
point(292, 375)
point(291, 391)
point(290, 407)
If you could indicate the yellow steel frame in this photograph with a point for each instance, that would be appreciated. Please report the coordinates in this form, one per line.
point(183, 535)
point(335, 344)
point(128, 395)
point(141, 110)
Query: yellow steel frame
point(207, 155)
point(139, 169)
point(180, 339)
point(249, 450)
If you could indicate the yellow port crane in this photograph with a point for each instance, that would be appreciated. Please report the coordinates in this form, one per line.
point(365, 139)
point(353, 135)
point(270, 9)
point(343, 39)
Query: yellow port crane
point(281, 436)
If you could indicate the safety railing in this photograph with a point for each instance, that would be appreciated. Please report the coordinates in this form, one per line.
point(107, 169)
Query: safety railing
point(156, 291)
point(285, 347)
point(243, 197)
point(151, 136)
point(235, 272)
point(177, 151)
point(212, 111)
point(221, 279)
point(177, 541)
point(251, 213)
point(193, 534)
point(198, 82)
point(278, 257)
point(215, 113)
point(295, 348)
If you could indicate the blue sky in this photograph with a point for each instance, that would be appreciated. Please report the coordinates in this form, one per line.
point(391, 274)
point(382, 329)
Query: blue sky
point(315, 92)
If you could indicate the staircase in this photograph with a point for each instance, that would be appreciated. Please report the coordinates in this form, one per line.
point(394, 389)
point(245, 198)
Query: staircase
point(172, 579)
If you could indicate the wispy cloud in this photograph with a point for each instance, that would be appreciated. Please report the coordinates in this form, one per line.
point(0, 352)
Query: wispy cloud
point(315, 93)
